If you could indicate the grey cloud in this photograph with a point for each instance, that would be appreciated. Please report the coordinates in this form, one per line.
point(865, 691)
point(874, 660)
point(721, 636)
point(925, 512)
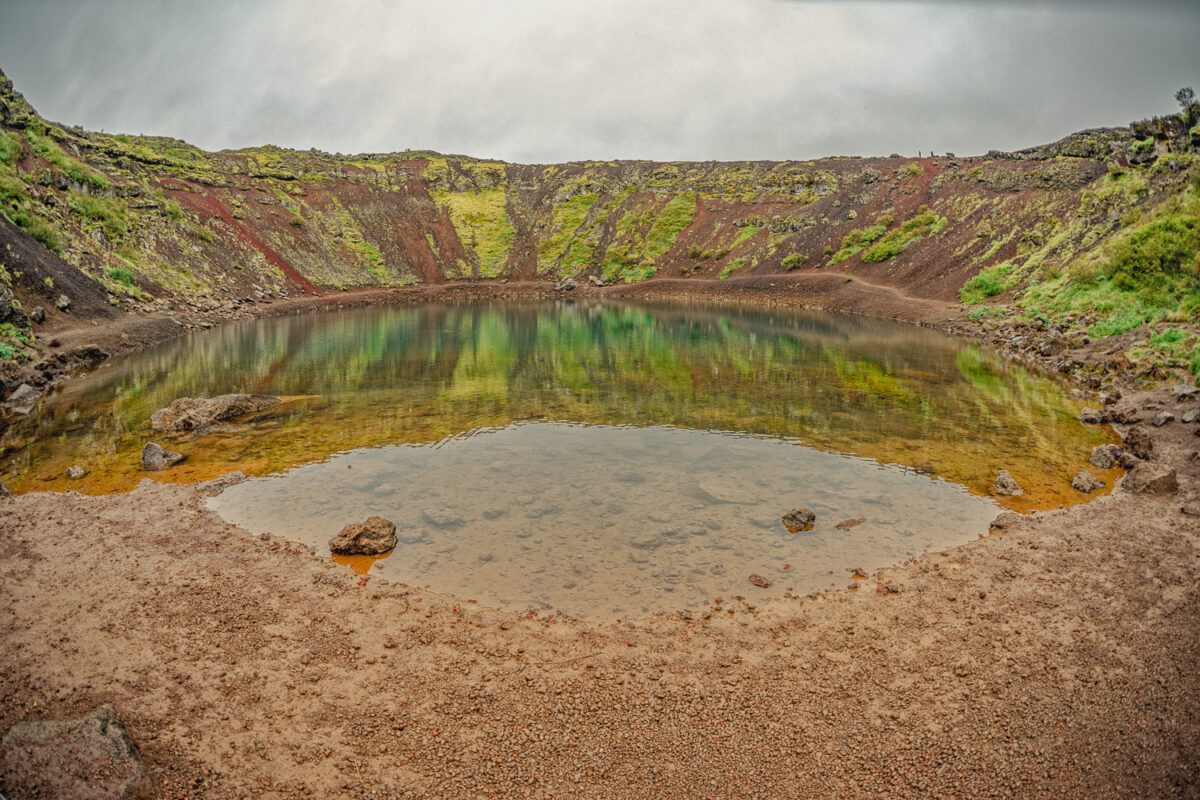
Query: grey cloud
point(551, 80)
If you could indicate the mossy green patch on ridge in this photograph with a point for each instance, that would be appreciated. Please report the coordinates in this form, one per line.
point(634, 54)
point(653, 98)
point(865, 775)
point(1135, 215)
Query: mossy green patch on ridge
point(481, 220)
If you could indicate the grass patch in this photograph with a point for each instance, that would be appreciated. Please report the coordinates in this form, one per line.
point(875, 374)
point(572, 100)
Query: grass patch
point(10, 148)
point(121, 276)
point(567, 219)
point(669, 223)
point(41, 143)
point(988, 283)
point(859, 238)
point(109, 212)
point(481, 221)
point(925, 223)
point(794, 261)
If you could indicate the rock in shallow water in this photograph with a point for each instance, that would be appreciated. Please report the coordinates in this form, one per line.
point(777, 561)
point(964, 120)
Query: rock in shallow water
point(1086, 482)
point(75, 472)
point(799, 519)
point(190, 413)
point(1105, 456)
point(1006, 485)
point(217, 485)
point(155, 458)
point(23, 399)
point(371, 537)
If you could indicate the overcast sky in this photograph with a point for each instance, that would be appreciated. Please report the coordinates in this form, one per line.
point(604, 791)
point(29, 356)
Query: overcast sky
point(557, 80)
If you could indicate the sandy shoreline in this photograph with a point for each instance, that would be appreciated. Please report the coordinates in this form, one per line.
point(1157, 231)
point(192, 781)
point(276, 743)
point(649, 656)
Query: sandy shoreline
point(1053, 658)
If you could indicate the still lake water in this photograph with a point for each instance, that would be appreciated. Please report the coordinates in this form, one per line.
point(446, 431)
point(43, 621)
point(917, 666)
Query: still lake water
point(594, 458)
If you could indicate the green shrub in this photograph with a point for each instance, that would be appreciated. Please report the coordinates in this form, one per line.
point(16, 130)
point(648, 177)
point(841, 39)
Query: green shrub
point(173, 209)
point(1162, 247)
point(1142, 146)
point(794, 261)
point(988, 283)
point(121, 276)
point(923, 224)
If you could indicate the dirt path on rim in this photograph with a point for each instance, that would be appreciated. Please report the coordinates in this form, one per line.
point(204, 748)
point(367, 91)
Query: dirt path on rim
point(1055, 658)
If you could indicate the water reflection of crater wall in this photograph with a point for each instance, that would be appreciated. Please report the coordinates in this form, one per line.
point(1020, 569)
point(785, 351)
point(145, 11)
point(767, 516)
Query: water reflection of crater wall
point(890, 392)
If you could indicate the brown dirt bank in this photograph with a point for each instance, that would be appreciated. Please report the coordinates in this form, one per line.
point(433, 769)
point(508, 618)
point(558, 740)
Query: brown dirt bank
point(1054, 658)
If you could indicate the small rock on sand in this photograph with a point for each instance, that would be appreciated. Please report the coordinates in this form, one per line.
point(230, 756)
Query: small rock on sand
point(155, 458)
point(1162, 418)
point(1191, 415)
point(1006, 486)
point(1086, 482)
point(760, 581)
point(371, 537)
point(1151, 479)
point(799, 519)
point(1006, 520)
point(847, 524)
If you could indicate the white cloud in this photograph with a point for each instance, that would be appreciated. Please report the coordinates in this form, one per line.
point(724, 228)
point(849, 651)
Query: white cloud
point(551, 80)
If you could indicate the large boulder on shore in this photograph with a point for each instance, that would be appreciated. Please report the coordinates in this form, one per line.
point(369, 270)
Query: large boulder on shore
point(155, 458)
point(190, 413)
point(1151, 479)
point(91, 757)
point(371, 537)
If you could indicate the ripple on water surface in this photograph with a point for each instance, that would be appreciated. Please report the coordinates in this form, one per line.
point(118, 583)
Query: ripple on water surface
point(583, 455)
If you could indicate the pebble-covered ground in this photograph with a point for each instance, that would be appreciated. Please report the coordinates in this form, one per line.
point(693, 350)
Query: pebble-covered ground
point(1055, 658)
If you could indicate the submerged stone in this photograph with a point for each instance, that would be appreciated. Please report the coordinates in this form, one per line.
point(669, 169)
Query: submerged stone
point(155, 458)
point(799, 519)
point(1086, 482)
point(190, 413)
